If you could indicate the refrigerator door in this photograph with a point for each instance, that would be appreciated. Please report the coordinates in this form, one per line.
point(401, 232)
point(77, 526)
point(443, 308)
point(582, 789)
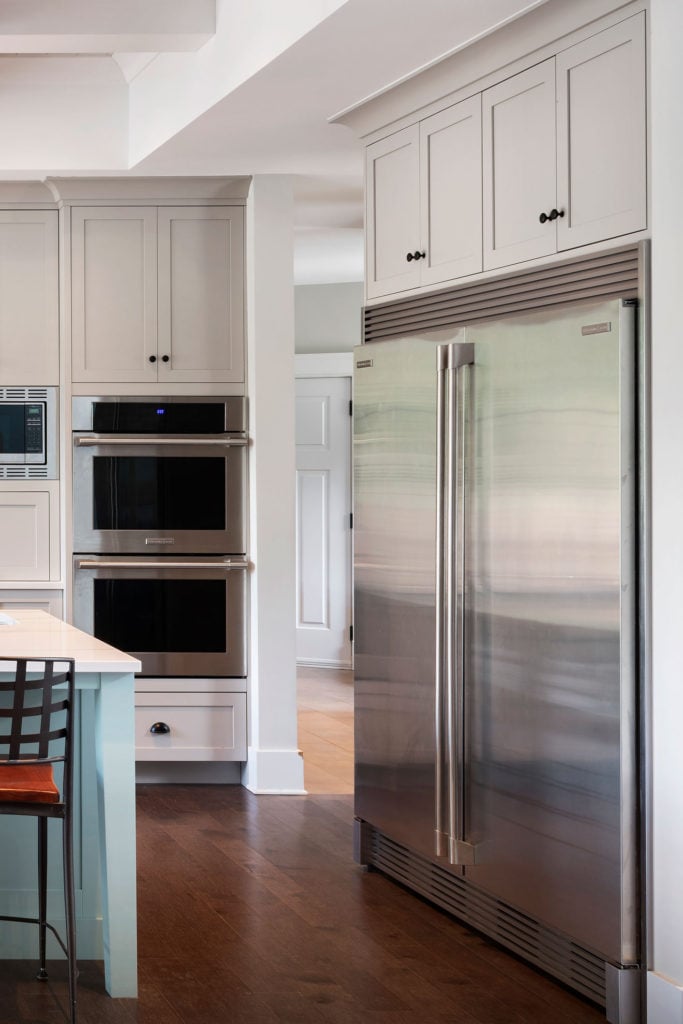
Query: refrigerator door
point(550, 693)
point(395, 514)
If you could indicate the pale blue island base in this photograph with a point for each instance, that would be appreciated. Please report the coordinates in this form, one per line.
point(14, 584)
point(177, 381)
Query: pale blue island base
point(104, 811)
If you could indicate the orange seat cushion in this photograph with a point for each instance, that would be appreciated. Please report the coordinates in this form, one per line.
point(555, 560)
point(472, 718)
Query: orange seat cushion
point(28, 783)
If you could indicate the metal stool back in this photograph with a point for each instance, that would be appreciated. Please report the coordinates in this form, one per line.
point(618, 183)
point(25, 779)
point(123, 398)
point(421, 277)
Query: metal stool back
point(36, 734)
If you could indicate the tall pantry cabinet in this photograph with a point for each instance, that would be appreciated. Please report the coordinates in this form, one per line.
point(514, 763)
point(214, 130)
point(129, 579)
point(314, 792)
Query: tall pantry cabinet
point(29, 364)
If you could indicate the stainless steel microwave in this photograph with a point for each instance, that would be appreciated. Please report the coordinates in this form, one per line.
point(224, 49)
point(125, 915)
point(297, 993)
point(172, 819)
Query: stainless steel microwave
point(28, 433)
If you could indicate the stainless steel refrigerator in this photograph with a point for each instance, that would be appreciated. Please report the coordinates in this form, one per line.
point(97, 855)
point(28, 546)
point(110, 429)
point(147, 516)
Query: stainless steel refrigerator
point(496, 702)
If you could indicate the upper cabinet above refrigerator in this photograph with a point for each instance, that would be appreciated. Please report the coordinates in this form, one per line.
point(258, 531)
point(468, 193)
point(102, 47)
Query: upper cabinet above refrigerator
point(565, 149)
point(540, 162)
point(424, 202)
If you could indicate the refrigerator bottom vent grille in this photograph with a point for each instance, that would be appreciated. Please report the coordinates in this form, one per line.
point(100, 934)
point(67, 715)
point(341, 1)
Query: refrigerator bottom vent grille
point(565, 960)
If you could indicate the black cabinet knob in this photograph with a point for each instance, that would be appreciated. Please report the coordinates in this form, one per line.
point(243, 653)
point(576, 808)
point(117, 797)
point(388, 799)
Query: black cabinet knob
point(417, 255)
point(152, 359)
point(553, 215)
point(159, 729)
point(165, 359)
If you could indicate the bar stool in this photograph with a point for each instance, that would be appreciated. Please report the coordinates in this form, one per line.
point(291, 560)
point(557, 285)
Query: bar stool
point(35, 734)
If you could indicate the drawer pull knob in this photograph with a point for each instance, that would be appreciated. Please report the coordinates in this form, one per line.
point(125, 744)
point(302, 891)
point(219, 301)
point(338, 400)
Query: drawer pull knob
point(152, 359)
point(165, 359)
point(159, 729)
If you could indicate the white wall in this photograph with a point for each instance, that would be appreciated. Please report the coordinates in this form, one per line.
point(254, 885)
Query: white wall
point(327, 317)
point(667, 508)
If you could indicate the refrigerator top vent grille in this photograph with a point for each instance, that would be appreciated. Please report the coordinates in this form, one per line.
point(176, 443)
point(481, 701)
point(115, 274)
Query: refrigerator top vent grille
point(605, 275)
point(552, 952)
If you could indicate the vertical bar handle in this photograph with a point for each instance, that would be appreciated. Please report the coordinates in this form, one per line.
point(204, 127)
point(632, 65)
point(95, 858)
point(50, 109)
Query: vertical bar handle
point(440, 832)
point(460, 852)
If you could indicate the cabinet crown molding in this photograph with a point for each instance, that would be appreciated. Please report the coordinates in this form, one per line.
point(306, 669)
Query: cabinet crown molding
point(153, 191)
point(476, 64)
point(25, 192)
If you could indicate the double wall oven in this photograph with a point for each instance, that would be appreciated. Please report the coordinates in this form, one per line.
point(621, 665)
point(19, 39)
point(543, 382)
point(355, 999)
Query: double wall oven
point(160, 556)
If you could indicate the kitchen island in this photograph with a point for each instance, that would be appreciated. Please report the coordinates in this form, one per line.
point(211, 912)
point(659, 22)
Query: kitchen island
point(104, 807)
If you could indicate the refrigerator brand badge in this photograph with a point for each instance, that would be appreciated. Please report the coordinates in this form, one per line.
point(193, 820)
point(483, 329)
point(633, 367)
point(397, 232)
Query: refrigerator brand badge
point(604, 328)
point(363, 364)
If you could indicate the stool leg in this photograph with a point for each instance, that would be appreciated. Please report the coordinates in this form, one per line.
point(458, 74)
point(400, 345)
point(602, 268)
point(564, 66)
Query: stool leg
point(67, 834)
point(42, 893)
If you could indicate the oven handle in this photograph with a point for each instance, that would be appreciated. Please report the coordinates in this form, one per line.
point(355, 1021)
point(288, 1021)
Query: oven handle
point(167, 563)
point(229, 442)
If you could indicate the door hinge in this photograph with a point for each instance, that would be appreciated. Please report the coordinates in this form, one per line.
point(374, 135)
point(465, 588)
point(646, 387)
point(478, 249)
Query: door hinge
point(351, 633)
point(350, 520)
point(350, 407)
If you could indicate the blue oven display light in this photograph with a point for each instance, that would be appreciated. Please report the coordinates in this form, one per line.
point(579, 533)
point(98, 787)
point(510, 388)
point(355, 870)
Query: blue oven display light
point(160, 412)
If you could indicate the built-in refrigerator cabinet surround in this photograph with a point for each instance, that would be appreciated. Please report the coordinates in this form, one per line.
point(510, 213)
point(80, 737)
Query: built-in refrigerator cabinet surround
point(495, 608)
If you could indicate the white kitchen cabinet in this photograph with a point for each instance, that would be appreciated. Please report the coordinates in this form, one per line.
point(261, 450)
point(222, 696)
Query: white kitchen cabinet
point(157, 294)
point(565, 149)
point(201, 294)
point(27, 536)
point(29, 297)
point(450, 193)
point(519, 167)
point(114, 293)
point(190, 726)
point(424, 202)
point(393, 213)
point(602, 153)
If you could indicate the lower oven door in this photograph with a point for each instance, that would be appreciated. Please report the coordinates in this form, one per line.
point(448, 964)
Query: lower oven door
point(180, 617)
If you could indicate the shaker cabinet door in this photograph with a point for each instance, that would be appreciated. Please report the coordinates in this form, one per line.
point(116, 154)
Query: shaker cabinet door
point(29, 297)
point(518, 117)
point(201, 294)
point(114, 293)
point(393, 213)
point(602, 149)
point(450, 192)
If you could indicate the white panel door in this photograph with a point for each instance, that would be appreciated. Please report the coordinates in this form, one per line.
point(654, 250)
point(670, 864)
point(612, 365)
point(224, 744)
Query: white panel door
point(518, 118)
point(602, 145)
point(393, 213)
point(450, 192)
point(114, 293)
point(323, 506)
point(201, 294)
point(29, 297)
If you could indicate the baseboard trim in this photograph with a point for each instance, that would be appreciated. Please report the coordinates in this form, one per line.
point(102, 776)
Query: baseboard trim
point(274, 772)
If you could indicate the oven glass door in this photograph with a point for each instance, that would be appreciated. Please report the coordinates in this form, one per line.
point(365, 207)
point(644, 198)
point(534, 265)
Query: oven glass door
point(160, 495)
point(180, 618)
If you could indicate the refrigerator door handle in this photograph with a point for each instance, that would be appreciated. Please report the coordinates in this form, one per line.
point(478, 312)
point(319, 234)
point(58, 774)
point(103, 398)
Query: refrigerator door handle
point(460, 852)
point(452, 363)
point(441, 831)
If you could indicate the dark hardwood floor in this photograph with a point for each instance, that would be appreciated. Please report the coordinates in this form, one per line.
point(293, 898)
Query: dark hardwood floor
point(252, 911)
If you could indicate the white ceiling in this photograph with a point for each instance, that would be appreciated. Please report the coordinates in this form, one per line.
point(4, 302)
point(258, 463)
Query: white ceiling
point(171, 87)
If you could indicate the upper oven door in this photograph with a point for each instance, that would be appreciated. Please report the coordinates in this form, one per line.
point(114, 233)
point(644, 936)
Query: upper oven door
point(159, 495)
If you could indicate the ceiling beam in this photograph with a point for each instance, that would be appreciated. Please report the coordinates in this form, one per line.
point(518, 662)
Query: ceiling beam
point(103, 26)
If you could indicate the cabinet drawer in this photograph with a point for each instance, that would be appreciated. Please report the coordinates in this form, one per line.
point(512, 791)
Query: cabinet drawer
point(202, 726)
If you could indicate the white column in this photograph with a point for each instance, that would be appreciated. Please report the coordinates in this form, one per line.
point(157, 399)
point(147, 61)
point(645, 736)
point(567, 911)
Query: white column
point(274, 763)
point(665, 981)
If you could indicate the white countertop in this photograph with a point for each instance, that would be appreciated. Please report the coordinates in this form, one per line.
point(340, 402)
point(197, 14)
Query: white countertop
point(38, 634)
